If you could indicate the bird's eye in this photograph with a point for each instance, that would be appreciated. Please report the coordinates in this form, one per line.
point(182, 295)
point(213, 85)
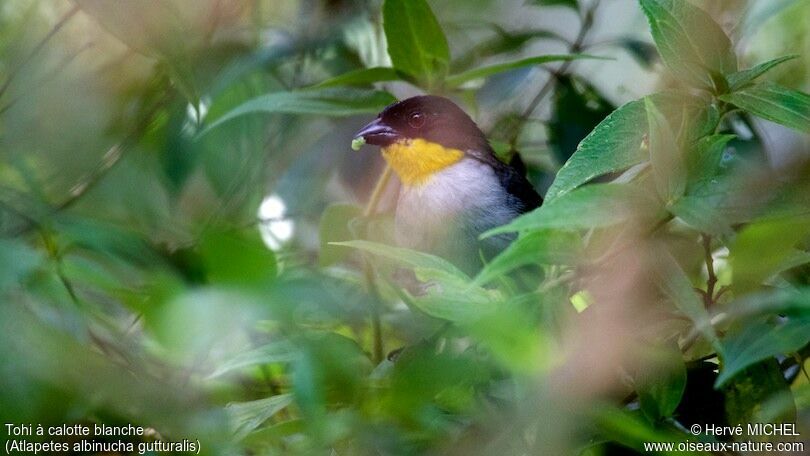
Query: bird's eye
point(416, 120)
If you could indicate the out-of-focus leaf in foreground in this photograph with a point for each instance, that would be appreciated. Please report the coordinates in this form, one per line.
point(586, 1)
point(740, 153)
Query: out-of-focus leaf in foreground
point(691, 44)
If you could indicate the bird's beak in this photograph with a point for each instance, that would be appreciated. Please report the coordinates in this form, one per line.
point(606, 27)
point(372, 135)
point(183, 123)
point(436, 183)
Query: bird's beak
point(377, 133)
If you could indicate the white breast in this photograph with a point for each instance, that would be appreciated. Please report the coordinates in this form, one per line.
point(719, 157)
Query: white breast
point(452, 208)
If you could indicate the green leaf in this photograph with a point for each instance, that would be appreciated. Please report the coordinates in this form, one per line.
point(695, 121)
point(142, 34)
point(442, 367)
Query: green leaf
point(416, 43)
point(578, 108)
point(701, 215)
point(703, 166)
point(483, 72)
point(324, 102)
point(504, 42)
point(237, 260)
point(452, 298)
point(631, 429)
point(540, 247)
point(513, 337)
point(692, 45)
point(660, 381)
point(247, 416)
point(754, 342)
point(615, 144)
point(412, 258)
point(761, 248)
point(741, 78)
point(17, 261)
point(592, 206)
point(676, 286)
point(361, 77)
point(775, 302)
point(334, 227)
point(669, 171)
point(773, 102)
point(704, 160)
point(274, 352)
point(749, 392)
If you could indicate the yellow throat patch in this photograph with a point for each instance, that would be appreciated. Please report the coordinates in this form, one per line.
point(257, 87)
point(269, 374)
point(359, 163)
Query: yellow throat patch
point(415, 160)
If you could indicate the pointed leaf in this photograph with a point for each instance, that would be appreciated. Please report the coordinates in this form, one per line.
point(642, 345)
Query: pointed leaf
point(324, 102)
point(540, 247)
point(483, 72)
point(453, 298)
point(755, 342)
point(773, 102)
point(615, 144)
point(740, 78)
point(412, 258)
point(504, 42)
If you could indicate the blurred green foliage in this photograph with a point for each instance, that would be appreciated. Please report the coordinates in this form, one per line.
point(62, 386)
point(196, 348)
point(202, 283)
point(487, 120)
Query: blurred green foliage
point(189, 244)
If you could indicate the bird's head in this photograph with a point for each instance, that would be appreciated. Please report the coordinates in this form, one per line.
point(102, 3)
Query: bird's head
point(422, 135)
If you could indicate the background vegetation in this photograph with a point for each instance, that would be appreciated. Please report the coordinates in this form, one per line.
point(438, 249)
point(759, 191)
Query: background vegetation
point(175, 176)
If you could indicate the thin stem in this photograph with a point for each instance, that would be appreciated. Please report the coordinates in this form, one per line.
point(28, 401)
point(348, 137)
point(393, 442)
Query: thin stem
point(376, 321)
point(368, 271)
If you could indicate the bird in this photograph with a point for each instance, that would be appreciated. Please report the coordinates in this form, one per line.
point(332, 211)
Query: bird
point(453, 186)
